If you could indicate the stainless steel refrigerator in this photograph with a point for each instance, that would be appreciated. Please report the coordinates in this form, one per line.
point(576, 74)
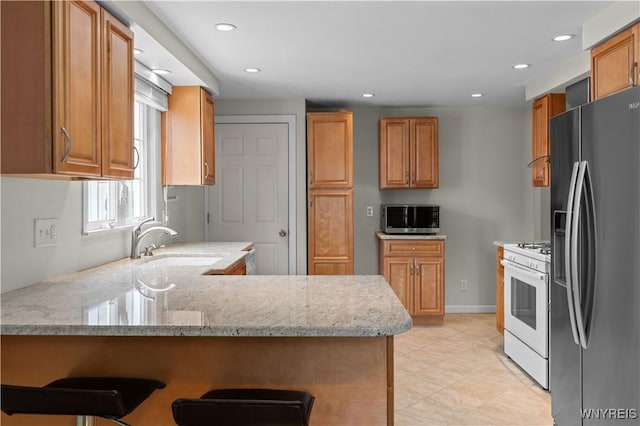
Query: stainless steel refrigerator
point(594, 352)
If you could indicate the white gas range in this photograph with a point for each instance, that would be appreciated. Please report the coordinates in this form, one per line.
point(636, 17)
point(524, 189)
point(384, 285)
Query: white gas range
point(526, 307)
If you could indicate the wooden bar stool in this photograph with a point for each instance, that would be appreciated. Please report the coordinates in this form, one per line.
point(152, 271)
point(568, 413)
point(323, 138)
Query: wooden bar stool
point(85, 397)
point(245, 407)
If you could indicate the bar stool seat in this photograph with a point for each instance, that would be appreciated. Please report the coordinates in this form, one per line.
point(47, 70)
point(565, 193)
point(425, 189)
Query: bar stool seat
point(107, 397)
point(245, 407)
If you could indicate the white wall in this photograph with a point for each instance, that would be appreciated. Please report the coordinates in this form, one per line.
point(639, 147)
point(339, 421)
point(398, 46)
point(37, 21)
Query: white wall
point(24, 200)
point(485, 192)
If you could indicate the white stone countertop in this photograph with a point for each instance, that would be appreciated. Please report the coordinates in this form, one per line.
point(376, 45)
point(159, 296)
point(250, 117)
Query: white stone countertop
point(163, 296)
point(381, 235)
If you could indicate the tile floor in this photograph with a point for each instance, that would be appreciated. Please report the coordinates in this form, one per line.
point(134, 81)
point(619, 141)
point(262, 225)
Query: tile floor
point(458, 374)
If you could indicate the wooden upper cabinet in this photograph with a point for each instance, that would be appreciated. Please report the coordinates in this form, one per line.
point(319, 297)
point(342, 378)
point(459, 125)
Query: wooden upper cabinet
point(189, 138)
point(330, 149)
point(408, 153)
point(615, 64)
point(117, 98)
point(542, 110)
point(67, 91)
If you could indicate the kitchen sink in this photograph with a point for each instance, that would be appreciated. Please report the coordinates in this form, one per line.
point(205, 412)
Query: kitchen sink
point(185, 261)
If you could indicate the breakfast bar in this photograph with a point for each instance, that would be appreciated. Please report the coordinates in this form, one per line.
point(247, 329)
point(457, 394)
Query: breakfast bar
point(166, 317)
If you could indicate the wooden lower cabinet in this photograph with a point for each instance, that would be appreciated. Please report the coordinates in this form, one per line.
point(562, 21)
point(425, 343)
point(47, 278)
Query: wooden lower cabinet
point(239, 268)
point(331, 232)
point(499, 291)
point(415, 272)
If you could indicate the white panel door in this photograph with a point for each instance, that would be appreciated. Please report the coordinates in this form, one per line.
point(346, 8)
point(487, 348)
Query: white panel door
point(250, 199)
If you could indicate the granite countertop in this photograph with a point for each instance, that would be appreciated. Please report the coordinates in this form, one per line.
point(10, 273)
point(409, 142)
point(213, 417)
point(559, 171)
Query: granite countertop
point(162, 296)
point(381, 235)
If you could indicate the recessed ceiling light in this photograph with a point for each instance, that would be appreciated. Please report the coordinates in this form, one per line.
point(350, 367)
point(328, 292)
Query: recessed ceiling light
point(477, 95)
point(252, 69)
point(563, 37)
point(225, 27)
point(160, 71)
point(368, 95)
point(137, 51)
point(521, 66)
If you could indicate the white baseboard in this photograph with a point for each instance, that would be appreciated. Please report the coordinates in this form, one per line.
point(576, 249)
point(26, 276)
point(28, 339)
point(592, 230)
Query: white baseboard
point(470, 309)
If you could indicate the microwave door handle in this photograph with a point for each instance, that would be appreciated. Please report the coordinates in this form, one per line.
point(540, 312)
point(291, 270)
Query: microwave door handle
point(405, 219)
point(567, 252)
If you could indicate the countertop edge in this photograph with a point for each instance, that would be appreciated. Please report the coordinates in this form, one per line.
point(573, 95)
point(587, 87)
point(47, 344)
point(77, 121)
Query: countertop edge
point(203, 331)
point(382, 236)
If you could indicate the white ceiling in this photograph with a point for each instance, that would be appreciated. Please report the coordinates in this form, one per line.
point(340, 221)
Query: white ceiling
point(414, 53)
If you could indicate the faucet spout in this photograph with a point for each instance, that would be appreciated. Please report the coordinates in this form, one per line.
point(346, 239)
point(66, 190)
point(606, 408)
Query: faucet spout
point(137, 238)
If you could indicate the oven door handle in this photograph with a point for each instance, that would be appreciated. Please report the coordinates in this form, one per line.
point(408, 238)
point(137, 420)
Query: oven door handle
point(529, 273)
point(567, 252)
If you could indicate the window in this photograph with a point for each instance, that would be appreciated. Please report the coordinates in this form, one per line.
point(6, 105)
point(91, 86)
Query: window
point(117, 204)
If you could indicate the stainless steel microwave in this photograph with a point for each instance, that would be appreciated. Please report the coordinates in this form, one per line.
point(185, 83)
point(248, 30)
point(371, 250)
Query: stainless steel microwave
point(410, 219)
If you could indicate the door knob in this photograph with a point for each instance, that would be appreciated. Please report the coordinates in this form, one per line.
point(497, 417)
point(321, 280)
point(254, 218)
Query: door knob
point(282, 233)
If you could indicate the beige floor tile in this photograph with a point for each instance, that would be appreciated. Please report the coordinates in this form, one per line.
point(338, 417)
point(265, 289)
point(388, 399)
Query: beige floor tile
point(458, 374)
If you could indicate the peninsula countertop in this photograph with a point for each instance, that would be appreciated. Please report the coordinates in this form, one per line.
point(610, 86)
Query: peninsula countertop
point(162, 296)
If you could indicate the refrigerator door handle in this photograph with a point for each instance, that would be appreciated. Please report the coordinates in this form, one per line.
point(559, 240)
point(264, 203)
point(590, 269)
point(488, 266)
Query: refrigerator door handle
point(567, 252)
point(587, 299)
point(575, 282)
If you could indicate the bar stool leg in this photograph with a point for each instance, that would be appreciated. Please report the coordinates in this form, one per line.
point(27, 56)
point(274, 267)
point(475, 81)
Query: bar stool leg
point(93, 421)
point(86, 421)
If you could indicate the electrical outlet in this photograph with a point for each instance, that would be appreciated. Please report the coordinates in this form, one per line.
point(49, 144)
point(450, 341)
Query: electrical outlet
point(369, 211)
point(46, 232)
point(463, 285)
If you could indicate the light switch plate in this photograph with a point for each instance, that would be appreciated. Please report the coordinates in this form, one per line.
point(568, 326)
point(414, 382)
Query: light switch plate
point(46, 232)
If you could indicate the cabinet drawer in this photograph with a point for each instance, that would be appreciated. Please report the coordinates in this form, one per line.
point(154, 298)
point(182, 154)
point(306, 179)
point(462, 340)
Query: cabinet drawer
point(414, 248)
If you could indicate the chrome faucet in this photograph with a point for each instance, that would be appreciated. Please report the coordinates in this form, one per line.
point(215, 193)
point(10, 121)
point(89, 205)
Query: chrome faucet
point(137, 236)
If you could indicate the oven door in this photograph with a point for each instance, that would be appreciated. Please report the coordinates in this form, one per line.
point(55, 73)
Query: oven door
point(526, 313)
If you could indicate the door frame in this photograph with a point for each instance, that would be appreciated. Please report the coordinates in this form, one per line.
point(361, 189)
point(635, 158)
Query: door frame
point(290, 121)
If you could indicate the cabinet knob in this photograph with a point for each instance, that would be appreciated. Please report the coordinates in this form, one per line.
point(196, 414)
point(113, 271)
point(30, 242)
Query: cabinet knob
point(282, 233)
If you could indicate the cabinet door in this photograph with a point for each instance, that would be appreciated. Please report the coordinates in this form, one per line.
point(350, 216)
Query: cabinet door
point(76, 87)
point(188, 138)
point(424, 152)
point(208, 139)
point(330, 150)
point(429, 286)
point(117, 98)
point(614, 63)
point(499, 291)
point(330, 232)
point(398, 271)
point(540, 132)
point(542, 110)
point(394, 153)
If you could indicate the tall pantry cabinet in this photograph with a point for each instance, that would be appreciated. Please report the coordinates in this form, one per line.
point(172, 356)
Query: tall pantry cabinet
point(330, 193)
